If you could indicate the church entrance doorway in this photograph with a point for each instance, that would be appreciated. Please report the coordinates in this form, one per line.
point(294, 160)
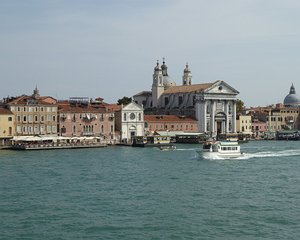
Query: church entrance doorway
point(220, 119)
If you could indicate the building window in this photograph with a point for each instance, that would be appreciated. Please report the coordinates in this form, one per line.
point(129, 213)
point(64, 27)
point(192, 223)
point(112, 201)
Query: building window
point(208, 108)
point(125, 117)
point(229, 109)
point(53, 118)
point(166, 101)
point(140, 116)
point(180, 100)
point(36, 118)
point(10, 119)
point(24, 118)
point(42, 128)
point(42, 118)
point(63, 129)
point(102, 129)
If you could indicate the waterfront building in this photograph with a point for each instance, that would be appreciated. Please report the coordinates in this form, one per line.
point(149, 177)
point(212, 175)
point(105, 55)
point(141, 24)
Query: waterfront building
point(154, 123)
point(244, 124)
point(212, 104)
point(79, 117)
point(7, 120)
point(34, 114)
point(130, 122)
point(282, 118)
point(258, 128)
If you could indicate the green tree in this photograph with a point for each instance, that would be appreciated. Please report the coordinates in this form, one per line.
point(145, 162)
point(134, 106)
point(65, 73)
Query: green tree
point(124, 100)
point(239, 106)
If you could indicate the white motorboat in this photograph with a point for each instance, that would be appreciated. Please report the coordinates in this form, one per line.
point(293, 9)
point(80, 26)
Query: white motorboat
point(220, 149)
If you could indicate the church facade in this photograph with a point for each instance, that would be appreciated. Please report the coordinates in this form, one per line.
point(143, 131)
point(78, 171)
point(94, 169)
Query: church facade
point(212, 104)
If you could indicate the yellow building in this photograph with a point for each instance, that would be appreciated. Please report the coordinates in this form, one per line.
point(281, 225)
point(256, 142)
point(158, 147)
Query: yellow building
point(282, 118)
point(7, 119)
point(244, 124)
point(34, 115)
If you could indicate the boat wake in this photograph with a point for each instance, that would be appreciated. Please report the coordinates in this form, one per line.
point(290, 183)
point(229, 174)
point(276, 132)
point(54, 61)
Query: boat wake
point(268, 154)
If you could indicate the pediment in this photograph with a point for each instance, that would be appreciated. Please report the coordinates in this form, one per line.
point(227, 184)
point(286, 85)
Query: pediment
point(132, 107)
point(221, 87)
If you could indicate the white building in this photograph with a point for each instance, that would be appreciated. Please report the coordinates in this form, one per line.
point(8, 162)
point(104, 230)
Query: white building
point(212, 104)
point(130, 121)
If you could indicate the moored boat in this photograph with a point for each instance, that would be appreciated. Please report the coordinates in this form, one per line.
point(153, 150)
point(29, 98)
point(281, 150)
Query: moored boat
point(220, 149)
point(151, 141)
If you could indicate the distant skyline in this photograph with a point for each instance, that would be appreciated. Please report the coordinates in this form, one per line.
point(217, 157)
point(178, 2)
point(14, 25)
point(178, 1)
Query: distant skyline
point(108, 49)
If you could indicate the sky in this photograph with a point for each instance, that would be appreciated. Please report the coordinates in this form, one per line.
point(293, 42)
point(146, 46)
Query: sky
point(109, 48)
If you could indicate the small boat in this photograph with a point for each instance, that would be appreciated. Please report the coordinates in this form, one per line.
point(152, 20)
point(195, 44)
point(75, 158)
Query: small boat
point(151, 141)
point(167, 148)
point(221, 149)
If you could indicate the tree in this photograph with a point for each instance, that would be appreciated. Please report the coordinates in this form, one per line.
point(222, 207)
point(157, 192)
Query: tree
point(239, 106)
point(124, 100)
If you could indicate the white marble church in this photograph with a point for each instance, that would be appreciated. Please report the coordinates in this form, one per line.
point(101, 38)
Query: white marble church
point(212, 104)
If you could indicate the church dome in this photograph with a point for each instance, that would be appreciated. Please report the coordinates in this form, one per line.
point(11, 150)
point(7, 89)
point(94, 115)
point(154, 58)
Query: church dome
point(168, 82)
point(292, 99)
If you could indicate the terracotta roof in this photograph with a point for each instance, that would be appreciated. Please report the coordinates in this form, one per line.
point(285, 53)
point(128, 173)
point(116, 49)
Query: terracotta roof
point(63, 108)
point(113, 107)
point(24, 100)
point(5, 111)
point(188, 88)
point(168, 118)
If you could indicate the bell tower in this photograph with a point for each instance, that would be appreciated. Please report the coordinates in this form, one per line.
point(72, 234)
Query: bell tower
point(187, 76)
point(157, 85)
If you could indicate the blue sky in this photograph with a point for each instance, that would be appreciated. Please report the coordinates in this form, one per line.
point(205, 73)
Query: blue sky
point(108, 49)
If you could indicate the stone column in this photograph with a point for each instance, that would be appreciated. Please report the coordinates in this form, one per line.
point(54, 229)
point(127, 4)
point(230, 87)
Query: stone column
point(227, 117)
point(212, 117)
point(234, 117)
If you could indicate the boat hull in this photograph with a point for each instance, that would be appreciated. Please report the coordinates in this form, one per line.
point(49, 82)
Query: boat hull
point(218, 155)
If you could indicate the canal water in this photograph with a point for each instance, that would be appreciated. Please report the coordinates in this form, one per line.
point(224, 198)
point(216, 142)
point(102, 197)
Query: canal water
point(144, 193)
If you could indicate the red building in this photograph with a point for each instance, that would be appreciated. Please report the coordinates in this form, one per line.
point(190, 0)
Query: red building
point(79, 118)
point(170, 123)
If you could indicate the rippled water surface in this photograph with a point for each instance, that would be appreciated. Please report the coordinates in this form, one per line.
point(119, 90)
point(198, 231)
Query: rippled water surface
point(145, 193)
